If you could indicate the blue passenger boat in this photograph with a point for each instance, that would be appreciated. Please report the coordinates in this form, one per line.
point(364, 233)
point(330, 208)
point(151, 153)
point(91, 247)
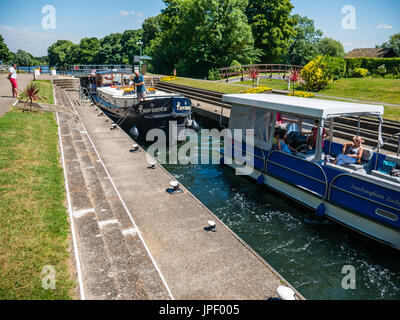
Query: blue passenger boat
point(113, 92)
point(363, 196)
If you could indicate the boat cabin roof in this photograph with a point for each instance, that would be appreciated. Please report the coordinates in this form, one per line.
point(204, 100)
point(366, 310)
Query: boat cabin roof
point(312, 108)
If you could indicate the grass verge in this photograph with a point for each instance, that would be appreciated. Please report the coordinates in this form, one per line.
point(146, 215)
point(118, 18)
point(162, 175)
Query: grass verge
point(33, 220)
point(209, 85)
point(46, 91)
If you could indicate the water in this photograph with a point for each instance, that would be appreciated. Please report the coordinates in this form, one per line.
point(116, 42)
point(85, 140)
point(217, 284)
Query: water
point(45, 69)
point(307, 251)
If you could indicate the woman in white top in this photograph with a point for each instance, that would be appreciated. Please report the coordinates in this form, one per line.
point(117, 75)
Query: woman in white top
point(352, 152)
point(12, 76)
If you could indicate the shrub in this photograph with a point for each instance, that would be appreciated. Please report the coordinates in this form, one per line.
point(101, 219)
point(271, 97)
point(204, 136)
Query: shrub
point(335, 67)
point(213, 74)
point(392, 65)
point(360, 72)
point(301, 94)
point(258, 90)
point(314, 75)
point(169, 78)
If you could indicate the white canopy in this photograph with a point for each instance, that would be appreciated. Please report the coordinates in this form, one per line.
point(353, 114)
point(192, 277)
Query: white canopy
point(312, 108)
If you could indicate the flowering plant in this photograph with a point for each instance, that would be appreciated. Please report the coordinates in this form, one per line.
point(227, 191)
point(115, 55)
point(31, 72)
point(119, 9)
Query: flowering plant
point(301, 94)
point(258, 90)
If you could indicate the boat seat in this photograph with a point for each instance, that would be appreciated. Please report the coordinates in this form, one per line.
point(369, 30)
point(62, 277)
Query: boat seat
point(343, 168)
point(366, 164)
point(385, 176)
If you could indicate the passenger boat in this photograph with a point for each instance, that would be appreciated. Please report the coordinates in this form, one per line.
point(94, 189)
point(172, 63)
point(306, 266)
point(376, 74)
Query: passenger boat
point(363, 197)
point(111, 91)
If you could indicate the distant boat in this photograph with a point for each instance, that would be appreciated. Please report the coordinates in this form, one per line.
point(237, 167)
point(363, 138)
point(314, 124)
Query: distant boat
point(364, 197)
point(111, 92)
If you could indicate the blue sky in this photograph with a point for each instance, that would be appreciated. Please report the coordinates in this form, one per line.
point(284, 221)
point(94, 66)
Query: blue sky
point(21, 20)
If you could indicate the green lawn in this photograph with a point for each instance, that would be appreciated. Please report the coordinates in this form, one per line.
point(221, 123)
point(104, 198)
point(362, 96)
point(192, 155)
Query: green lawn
point(370, 89)
point(210, 85)
point(46, 91)
point(34, 229)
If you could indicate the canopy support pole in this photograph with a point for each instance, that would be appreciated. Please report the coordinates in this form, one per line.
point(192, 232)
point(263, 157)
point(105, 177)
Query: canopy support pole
point(318, 148)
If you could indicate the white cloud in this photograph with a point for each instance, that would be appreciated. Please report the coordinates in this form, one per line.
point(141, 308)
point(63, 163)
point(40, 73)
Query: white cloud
point(383, 26)
point(139, 14)
point(126, 13)
point(31, 39)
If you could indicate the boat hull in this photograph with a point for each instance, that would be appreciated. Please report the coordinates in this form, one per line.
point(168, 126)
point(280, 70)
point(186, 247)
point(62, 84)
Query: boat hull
point(142, 117)
point(344, 215)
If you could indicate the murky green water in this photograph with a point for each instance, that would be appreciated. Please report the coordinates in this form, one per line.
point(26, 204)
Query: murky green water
point(307, 251)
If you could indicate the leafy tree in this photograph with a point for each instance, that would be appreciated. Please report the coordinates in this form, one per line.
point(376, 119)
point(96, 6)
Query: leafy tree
point(88, 51)
point(23, 58)
point(330, 47)
point(151, 28)
point(58, 52)
point(394, 43)
point(272, 27)
point(303, 47)
point(5, 54)
point(74, 55)
point(199, 35)
point(129, 47)
point(111, 49)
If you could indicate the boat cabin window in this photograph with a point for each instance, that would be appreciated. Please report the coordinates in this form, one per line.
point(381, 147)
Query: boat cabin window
point(243, 117)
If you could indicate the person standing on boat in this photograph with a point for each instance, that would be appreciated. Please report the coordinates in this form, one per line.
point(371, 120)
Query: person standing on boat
point(12, 76)
point(352, 152)
point(140, 86)
point(312, 139)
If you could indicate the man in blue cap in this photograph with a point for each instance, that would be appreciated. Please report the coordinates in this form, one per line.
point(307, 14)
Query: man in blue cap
point(140, 86)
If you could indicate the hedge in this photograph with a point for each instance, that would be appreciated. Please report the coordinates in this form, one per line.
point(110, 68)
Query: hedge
point(392, 65)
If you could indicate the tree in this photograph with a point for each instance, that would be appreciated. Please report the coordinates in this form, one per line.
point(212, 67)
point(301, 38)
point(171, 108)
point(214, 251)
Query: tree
point(330, 47)
point(129, 47)
point(272, 27)
point(88, 51)
point(199, 35)
point(5, 54)
point(23, 58)
point(58, 52)
point(394, 43)
point(303, 47)
point(151, 28)
point(111, 49)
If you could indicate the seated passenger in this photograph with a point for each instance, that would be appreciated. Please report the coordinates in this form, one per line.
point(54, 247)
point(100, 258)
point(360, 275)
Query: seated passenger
point(276, 138)
point(352, 152)
point(282, 145)
point(312, 139)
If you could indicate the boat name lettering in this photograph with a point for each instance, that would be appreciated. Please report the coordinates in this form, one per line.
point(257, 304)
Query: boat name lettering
point(368, 192)
point(161, 109)
point(394, 201)
point(181, 108)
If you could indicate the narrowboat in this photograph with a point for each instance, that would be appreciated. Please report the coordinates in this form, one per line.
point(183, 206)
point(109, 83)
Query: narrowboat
point(364, 196)
point(114, 93)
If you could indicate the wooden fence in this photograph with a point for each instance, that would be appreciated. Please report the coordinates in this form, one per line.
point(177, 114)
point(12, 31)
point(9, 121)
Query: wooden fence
point(273, 71)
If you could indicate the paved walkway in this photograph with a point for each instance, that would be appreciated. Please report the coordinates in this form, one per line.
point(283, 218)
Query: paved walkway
point(6, 98)
point(168, 229)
